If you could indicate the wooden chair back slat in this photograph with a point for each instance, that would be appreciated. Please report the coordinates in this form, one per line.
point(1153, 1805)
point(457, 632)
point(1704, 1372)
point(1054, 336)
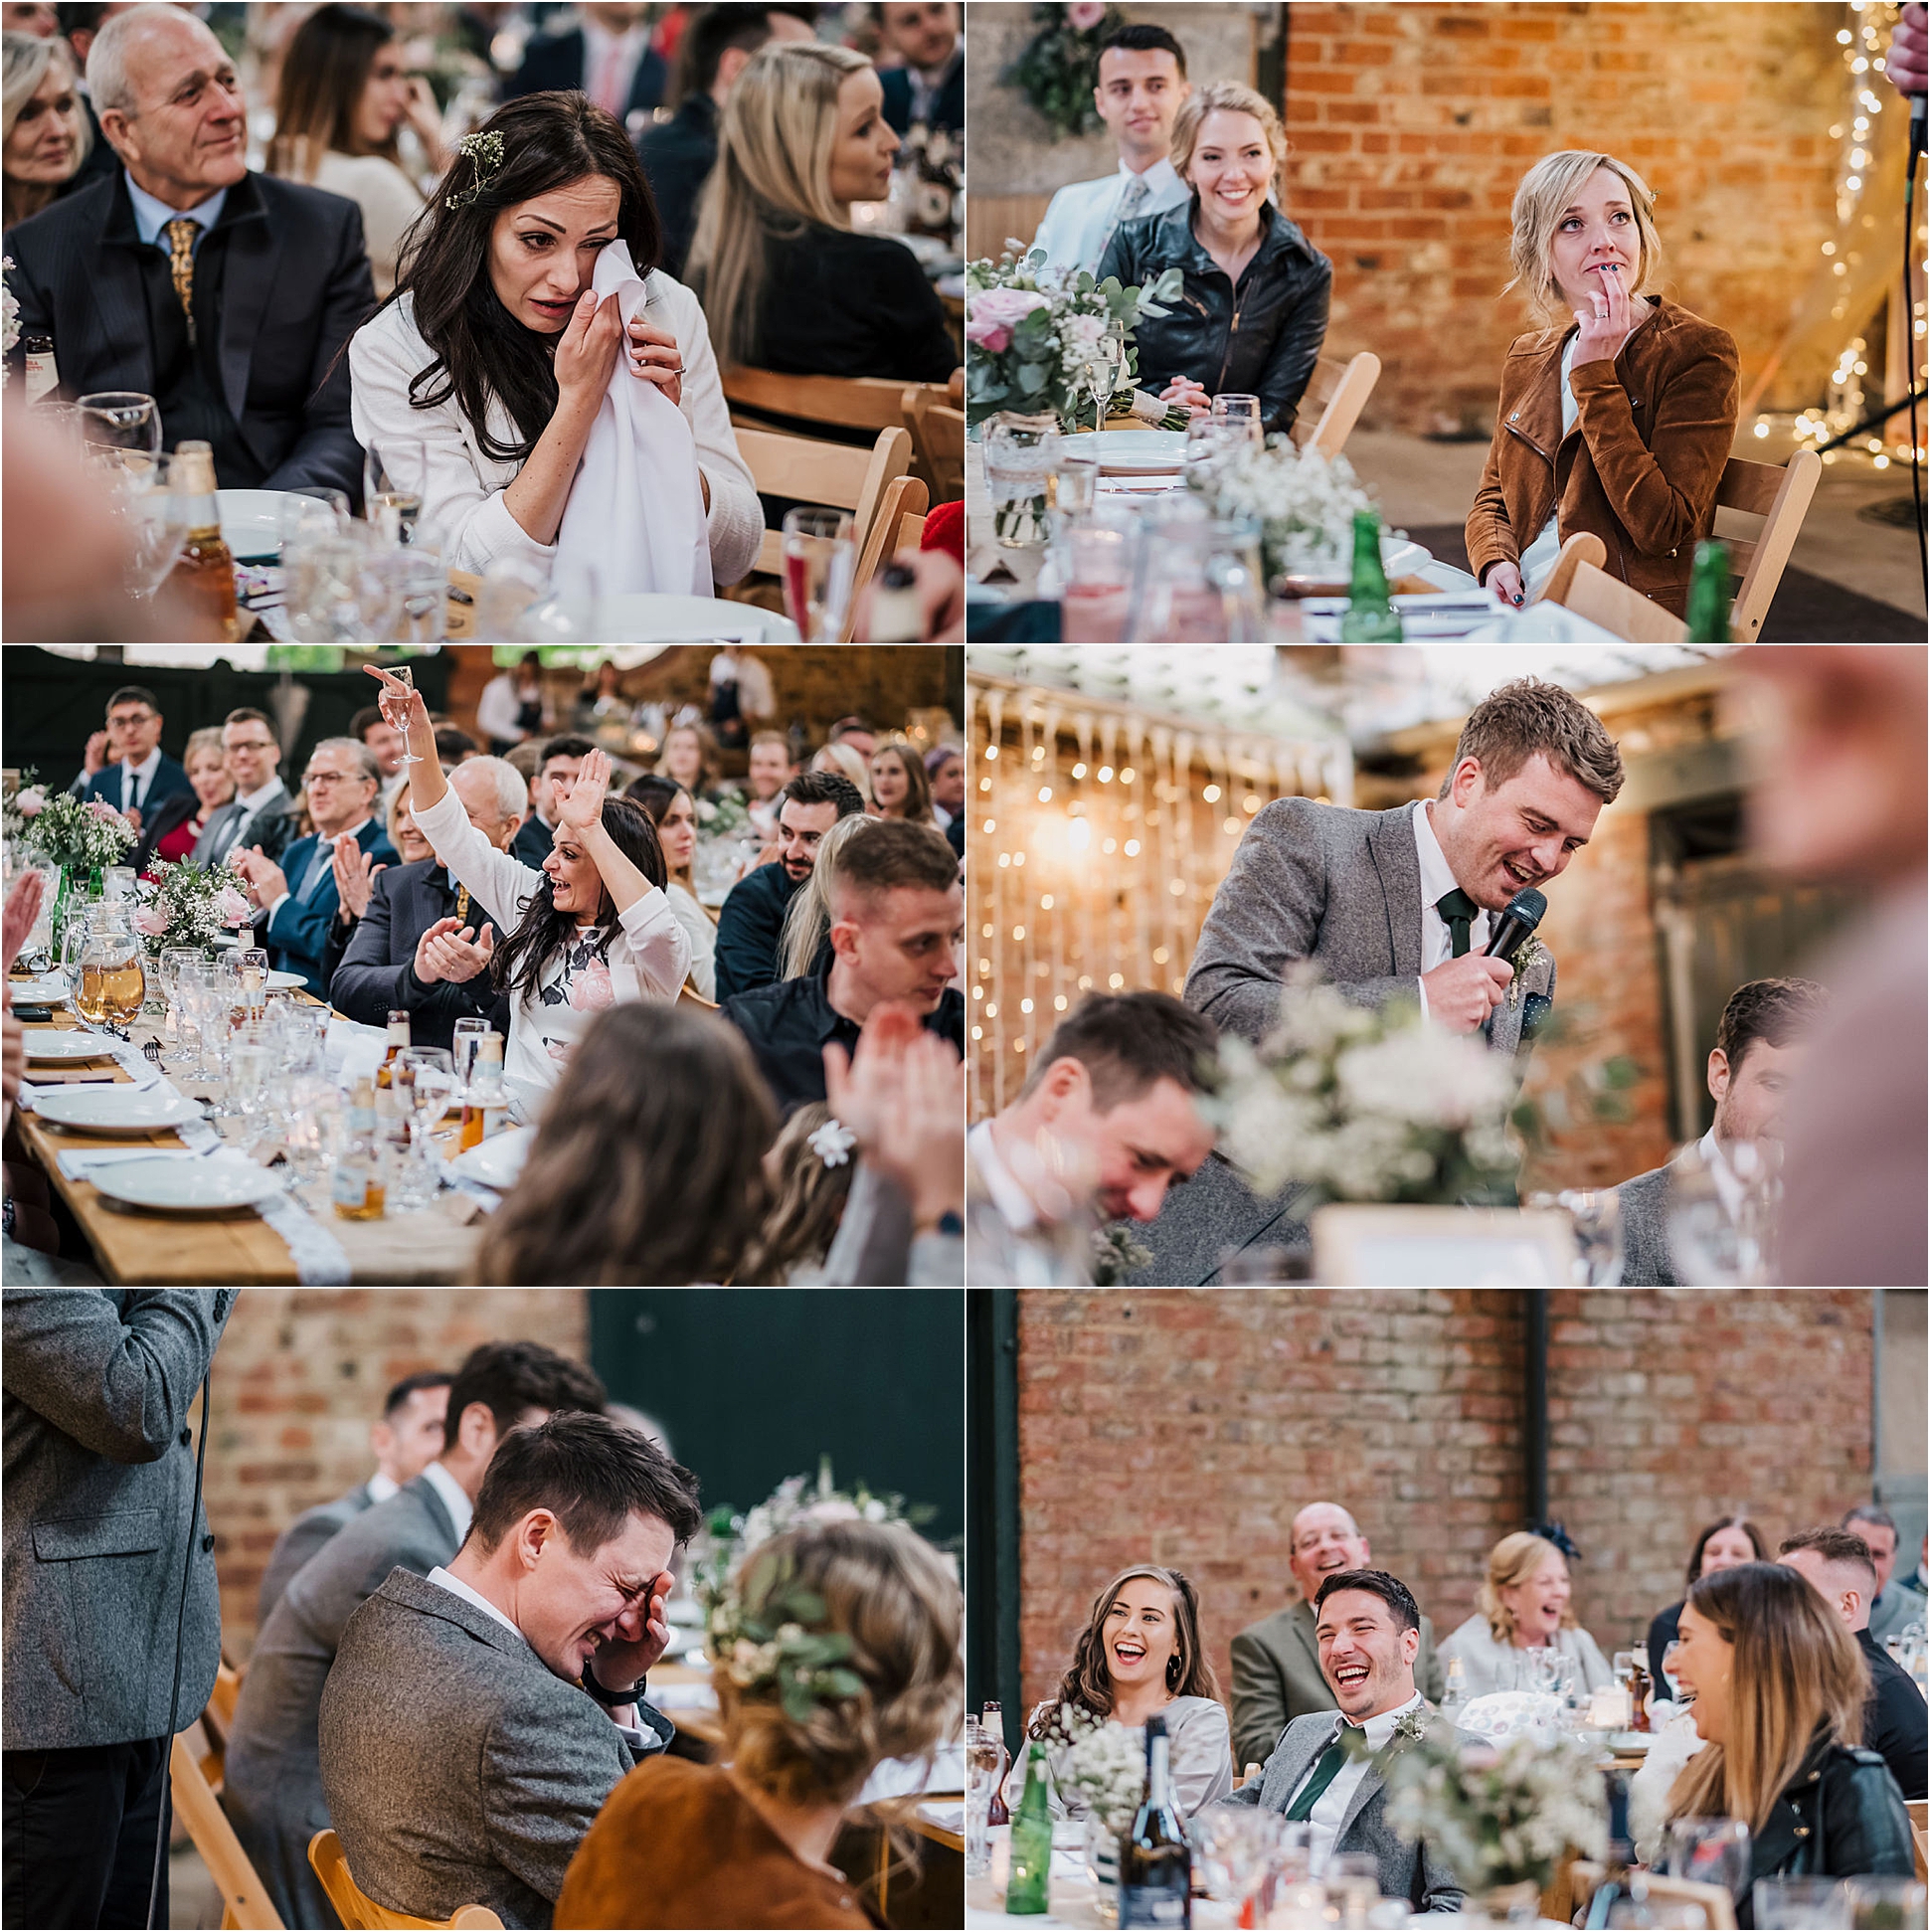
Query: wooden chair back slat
point(1781, 497)
point(1718, 1908)
point(1584, 547)
point(245, 1899)
point(850, 402)
point(904, 495)
point(1331, 403)
point(1601, 598)
point(361, 1913)
point(939, 437)
point(834, 473)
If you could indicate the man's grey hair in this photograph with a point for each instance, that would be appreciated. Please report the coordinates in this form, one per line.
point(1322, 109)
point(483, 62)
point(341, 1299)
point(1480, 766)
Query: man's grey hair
point(108, 83)
point(512, 795)
point(363, 759)
point(1872, 1513)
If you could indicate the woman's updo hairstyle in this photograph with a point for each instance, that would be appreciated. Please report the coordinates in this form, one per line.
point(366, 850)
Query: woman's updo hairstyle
point(890, 1591)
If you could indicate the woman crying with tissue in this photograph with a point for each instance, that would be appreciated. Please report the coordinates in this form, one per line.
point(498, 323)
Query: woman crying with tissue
point(561, 384)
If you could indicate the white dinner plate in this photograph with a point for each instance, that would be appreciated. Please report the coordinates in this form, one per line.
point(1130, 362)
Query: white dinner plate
point(120, 1109)
point(51, 1046)
point(1140, 452)
point(282, 982)
point(498, 1160)
point(1399, 557)
point(250, 520)
point(37, 992)
point(661, 619)
point(185, 1187)
point(1630, 1744)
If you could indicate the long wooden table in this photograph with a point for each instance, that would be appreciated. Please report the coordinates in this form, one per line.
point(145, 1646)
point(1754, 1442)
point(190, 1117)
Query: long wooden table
point(136, 1248)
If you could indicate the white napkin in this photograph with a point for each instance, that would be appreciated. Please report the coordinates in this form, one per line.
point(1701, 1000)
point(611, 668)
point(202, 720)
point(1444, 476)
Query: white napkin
point(140, 1070)
point(353, 1049)
point(636, 513)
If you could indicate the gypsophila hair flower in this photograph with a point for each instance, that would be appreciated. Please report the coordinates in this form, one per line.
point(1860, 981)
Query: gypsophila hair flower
point(833, 1143)
point(767, 1635)
point(485, 162)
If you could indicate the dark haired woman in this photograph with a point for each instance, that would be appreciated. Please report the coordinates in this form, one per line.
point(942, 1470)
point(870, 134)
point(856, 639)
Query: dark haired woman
point(345, 92)
point(1727, 1541)
point(1140, 1655)
point(594, 927)
point(674, 814)
point(495, 353)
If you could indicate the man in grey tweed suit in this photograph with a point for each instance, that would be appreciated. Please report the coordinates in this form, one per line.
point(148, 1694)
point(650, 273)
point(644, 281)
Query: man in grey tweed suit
point(1369, 1632)
point(1391, 906)
point(476, 1719)
point(273, 1785)
point(98, 1496)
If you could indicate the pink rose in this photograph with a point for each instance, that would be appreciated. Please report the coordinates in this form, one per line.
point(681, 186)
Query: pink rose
point(992, 316)
point(151, 922)
point(31, 802)
point(1086, 14)
point(232, 907)
point(103, 809)
point(591, 991)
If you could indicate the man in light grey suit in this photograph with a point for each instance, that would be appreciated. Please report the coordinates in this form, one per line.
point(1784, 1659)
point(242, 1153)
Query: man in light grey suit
point(476, 1720)
point(99, 1529)
point(261, 813)
point(404, 1442)
point(1391, 906)
point(1369, 1634)
point(273, 1787)
point(1761, 1043)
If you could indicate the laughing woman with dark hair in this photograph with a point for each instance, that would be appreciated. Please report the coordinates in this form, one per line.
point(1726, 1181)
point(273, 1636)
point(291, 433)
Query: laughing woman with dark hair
point(497, 354)
point(593, 927)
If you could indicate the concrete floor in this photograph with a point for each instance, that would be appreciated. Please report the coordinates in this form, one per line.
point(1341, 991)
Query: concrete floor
point(193, 1897)
point(1421, 483)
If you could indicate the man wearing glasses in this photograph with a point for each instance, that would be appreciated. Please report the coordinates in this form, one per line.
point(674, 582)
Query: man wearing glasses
point(261, 815)
point(298, 903)
point(125, 764)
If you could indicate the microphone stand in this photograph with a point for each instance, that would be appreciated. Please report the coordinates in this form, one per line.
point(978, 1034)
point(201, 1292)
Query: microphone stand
point(1916, 149)
point(1881, 414)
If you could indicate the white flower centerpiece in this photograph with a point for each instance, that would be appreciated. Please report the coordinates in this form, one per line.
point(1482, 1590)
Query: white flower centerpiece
point(1303, 501)
point(1102, 1765)
point(186, 905)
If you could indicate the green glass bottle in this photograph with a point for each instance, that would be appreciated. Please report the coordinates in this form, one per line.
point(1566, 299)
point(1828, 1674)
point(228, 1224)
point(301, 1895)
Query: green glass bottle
point(1371, 619)
point(1708, 613)
point(1030, 1882)
point(97, 885)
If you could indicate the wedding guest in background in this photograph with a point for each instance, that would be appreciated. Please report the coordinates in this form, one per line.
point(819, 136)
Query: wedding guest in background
point(810, 1174)
point(674, 816)
point(45, 134)
point(1141, 80)
point(845, 755)
point(897, 919)
point(741, 696)
point(404, 1440)
point(751, 920)
point(1761, 1043)
point(804, 944)
point(385, 746)
point(218, 265)
point(1104, 1123)
point(1891, 1609)
point(770, 770)
point(592, 929)
point(514, 706)
point(346, 91)
point(748, 1840)
point(558, 763)
point(608, 53)
point(899, 786)
point(786, 282)
point(854, 732)
point(603, 701)
point(39, 22)
point(495, 354)
point(690, 759)
point(173, 827)
point(945, 770)
point(1652, 388)
point(1913, 1590)
point(1524, 1606)
point(1721, 1546)
point(1276, 1675)
point(124, 765)
point(679, 153)
point(1780, 1686)
point(1252, 315)
point(929, 88)
point(1368, 1631)
point(1139, 1655)
point(263, 813)
point(79, 27)
point(453, 746)
point(1894, 1719)
point(648, 1166)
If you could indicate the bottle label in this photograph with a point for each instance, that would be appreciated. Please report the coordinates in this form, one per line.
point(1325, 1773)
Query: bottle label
point(42, 377)
point(350, 1187)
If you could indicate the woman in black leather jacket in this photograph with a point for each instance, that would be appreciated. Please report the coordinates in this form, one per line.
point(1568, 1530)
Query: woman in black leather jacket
point(1778, 1687)
point(1253, 313)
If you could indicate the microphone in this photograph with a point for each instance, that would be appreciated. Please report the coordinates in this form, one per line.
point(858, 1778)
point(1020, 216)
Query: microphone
point(1511, 930)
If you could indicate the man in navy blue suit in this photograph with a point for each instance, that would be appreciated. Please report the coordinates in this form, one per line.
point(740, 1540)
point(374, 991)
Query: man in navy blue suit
point(297, 899)
point(125, 764)
point(929, 86)
point(608, 55)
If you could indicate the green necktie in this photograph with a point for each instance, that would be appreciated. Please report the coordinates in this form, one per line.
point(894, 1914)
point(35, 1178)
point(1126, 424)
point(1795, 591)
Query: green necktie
point(1459, 911)
point(1326, 1770)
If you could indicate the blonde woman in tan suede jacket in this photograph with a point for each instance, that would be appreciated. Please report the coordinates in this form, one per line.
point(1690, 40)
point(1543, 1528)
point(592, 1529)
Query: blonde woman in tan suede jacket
point(1619, 421)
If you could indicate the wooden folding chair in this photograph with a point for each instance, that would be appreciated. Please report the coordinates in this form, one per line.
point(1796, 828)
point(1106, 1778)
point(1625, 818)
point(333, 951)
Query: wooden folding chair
point(360, 1913)
point(215, 1724)
point(1584, 547)
point(245, 1899)
point(688, 995)
point(902, 499)
point(846, 402)
point(939, 437)
point(1718, 1908)
point(1780, 496)
point(1601, 598)
point(833, 473)
point(1333, 401)
point(1919, 1812)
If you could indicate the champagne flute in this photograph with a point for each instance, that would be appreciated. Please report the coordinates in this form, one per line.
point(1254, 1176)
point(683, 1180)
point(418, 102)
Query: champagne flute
point(432, 1085)
point(396, 706)
point(1106, 370)
point(820, 557)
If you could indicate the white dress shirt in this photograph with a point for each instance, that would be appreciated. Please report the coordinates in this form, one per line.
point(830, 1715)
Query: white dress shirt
point(1324, 1821)
point(1082, 215)
point(1010, 1200)
point(320, 853)
point(1436, 880)
point(456, 1500)
point(380, 1488)
point(1539, 559)
point(610, 64)
point(137, 779)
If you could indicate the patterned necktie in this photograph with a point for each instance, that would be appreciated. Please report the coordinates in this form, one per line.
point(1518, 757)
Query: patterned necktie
point(1129, 203)
point(1459, 911)
point(1325, 1771)
point(180, 235)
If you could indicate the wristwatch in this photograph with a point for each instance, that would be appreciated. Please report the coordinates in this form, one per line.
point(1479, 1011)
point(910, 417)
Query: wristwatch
point(611, 1700)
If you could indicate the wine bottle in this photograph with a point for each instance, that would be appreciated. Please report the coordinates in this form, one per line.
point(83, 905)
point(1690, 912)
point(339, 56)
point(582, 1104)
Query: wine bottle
point(992, 1719)
point(1030, 1885)
point(1156, 1862)
point(1371, 619)
point(1638, 1687)
point(203, 577)
point(1707, 610)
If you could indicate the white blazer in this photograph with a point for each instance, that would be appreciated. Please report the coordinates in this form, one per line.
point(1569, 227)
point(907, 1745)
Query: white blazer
point(463, 491)
point(1082, 215)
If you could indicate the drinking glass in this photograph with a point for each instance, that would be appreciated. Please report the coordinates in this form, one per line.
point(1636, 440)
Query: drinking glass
point(984, 1757)
point(1072, 475)
point(1884, 1901)
point(1242, 414)
point(393, 477)
point(118, 883)
point(246, 974)
point(1098, 568)
point(239, 1116)
point(820, 556)
point(121, 429)
point(396, 706)
point(315, 1126)
point(1709, 1850)
point(425, 585)
point(1679, 1693)
point(201, 995)
point(37, 951)
point(1211, 444)
point(299, 1031)
point(312, 516)
point(431, 1084)
point(1722, 1211)
point(1015, 449)
point(157, 527)
point(1802, 1905)
point(173, 960)
point(1352, 1879)
point(1106, 370)
point(510, 584)
point(463, 1047)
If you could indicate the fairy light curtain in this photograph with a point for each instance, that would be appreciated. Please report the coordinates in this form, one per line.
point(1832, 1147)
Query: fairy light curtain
point(1098, 833)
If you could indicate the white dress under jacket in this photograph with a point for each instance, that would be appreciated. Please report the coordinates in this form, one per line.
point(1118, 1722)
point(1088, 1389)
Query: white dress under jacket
point(464, 493)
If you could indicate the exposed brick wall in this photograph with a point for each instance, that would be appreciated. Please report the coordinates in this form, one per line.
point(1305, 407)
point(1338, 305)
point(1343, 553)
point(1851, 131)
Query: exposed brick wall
point(299, 1377)
point(1412, 125)
point(1186, 1428)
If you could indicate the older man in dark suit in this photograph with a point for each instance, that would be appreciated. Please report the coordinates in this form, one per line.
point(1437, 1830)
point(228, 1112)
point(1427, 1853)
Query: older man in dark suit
point(1391, 906)
point(225, 295)
point(99, 1528)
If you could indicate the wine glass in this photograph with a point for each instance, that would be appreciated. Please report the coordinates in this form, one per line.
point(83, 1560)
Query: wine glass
point(1708, 1852)
point(394, 473)
point(431, 1084)
point(1106, 370)
point(396, 706)
point(122, 431)
point(984, 1757)
point(820, 558)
